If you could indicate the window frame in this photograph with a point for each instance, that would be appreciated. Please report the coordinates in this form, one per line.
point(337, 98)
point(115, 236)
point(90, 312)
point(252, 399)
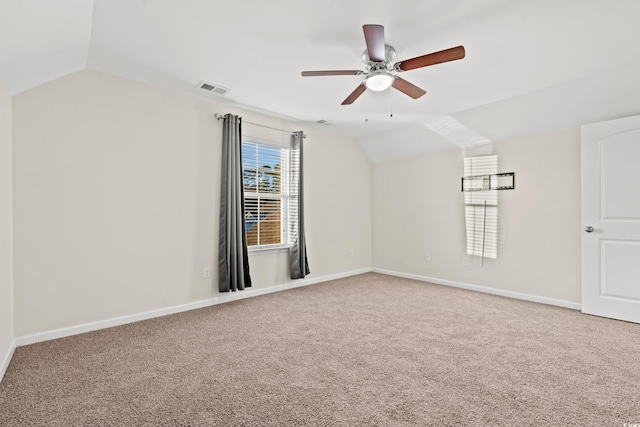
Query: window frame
point(283, 196)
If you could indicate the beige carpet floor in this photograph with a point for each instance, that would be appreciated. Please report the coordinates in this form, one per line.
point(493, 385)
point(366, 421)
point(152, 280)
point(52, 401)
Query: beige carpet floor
point(370, 350)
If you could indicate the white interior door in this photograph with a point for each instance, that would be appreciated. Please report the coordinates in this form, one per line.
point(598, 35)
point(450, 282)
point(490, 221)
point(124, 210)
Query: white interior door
point(611, 219)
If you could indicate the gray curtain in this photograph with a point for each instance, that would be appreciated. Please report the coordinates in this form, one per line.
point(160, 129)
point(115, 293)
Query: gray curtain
point(233, 258)
point(297, 252)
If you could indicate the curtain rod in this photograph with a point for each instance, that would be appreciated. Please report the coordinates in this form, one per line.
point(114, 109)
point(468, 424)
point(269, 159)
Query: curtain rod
point(219, 116)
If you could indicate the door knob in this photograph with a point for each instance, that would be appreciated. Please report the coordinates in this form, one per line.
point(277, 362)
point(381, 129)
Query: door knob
point(589, 229)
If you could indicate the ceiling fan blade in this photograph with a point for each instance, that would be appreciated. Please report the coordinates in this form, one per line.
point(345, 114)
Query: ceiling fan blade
point(374, 37)
point(331, 73)
point(408, 88)
point(431, 59)
point(354, 95)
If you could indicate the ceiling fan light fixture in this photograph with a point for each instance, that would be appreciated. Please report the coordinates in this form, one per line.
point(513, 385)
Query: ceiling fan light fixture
point(378, 57)
point(379, 81)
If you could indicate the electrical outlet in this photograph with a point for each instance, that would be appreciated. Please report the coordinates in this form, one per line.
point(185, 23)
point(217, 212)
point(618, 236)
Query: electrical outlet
point(465, 261)
point(206, 273)
point(427, 256)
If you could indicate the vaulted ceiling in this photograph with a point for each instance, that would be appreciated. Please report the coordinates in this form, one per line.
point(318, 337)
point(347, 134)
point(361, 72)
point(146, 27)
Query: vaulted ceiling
point(530, 66)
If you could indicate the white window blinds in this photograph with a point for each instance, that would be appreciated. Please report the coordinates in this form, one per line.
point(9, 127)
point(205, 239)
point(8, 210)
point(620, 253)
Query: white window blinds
point(293, 173)
point(264, 170)
point(481, 209)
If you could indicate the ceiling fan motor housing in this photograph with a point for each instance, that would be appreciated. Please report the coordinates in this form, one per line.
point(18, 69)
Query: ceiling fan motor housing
point(389, 55)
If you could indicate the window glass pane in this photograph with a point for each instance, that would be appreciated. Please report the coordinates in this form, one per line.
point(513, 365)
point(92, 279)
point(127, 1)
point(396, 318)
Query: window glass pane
point(269, 179)
point(269, 208)
point(264, 170)
point(263, 221)
point(249, 166)
point(270, 222)
point(251, 216)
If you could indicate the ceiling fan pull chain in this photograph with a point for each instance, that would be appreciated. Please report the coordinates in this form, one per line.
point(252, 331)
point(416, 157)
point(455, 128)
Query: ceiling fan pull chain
point(391, 102)
point(366, 107)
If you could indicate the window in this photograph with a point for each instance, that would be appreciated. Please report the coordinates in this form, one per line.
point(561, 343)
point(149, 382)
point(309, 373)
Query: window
point(264, 175)
point(481, 209)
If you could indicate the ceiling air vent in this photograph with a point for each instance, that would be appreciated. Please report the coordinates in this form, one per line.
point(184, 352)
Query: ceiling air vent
point(323, 122)
point(210, 87)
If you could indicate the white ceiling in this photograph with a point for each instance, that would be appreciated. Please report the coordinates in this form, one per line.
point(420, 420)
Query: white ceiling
point(531, 66)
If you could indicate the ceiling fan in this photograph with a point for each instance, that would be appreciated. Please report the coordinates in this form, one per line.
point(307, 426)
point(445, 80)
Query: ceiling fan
point(379, 68)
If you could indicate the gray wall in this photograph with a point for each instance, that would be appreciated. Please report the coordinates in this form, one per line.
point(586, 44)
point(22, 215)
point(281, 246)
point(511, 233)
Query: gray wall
point(6, 230)
point(116, 201)
point(116, 187)
point(418, 208)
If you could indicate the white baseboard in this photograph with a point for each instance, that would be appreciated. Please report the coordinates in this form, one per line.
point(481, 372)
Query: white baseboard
point(7, 358)
point(484, 289)
point(233, 296)
point(123, 320)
